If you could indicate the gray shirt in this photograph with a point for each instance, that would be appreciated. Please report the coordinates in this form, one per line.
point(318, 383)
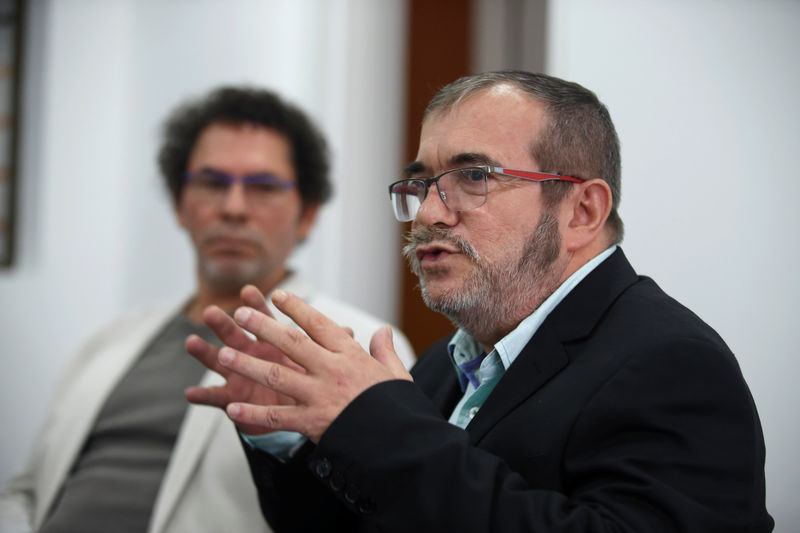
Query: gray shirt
point(114, 482)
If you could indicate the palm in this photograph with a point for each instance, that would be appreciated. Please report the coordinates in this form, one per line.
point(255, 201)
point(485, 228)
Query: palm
point(237, 388)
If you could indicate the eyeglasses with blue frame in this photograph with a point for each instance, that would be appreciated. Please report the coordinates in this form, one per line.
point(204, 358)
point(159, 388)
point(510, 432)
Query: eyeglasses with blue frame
point(216, 183)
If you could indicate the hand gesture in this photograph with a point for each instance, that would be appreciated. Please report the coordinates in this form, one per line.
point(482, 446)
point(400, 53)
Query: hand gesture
point(324, 372)
point(237, 388)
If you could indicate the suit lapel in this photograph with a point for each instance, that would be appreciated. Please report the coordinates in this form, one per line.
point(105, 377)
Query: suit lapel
point(79, 408)
point(196, 431)
point(91, 391)
point(198, 428)
point(541, 359)
point(545, 355)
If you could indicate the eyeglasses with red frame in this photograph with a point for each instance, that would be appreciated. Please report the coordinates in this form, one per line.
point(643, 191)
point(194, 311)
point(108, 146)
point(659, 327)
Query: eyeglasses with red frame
point(461, 189)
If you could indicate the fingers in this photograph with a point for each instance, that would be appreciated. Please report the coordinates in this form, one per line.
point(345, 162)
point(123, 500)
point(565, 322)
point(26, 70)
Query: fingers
point(319, 327)
point(277, 377)
point(252, 297)
point(381, 347)
point(288, 340)
point(335, 370)
point(274, 418)
point(226, 329)
point(204, 352)
point(269, 418)
point(231, 334)
point(213, 396)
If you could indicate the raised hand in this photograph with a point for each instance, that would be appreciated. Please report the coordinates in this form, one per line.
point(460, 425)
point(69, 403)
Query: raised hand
point(237, 388)
point(328, 368)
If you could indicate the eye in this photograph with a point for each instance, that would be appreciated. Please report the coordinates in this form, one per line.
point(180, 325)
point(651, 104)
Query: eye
point(264, 187)
point(474, 174)
point(470, 180)
point(265, 183)
point(208, 179)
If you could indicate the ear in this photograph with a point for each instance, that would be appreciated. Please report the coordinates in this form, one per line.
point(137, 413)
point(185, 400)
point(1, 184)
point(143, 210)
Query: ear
point(587, 211)
point(306, 221)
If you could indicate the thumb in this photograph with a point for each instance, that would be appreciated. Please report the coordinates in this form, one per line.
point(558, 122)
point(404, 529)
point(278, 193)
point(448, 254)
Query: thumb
point(381, 348)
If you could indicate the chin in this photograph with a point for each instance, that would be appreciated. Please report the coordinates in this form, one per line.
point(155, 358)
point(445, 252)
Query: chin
point(437, 292)
point(231, 275)
point(440, 275)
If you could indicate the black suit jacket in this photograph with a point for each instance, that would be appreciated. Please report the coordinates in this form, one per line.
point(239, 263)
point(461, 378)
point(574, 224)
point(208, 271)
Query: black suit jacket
point(624, 412)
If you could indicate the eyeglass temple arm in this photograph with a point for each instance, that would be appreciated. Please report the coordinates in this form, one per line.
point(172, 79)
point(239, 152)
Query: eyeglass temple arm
point(534, 176)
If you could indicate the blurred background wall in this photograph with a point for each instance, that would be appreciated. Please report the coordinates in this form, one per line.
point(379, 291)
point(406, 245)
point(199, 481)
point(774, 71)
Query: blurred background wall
point(704, 97)
point(97, 237)
point(702, 93)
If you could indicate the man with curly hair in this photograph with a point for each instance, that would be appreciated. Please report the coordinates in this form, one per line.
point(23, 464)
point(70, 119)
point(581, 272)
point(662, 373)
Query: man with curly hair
point(121, 449)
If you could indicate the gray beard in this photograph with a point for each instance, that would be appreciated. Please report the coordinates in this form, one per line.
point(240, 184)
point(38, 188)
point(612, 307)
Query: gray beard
point(226, 276)
point(494, 297)
point(230, 279)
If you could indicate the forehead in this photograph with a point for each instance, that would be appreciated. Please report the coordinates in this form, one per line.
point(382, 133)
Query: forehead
point(242, 148)
point(501, 123)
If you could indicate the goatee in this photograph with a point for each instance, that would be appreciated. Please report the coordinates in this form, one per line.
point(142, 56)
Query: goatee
point(494, 298)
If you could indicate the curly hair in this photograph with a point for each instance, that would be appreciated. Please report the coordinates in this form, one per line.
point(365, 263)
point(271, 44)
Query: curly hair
point(257, 107)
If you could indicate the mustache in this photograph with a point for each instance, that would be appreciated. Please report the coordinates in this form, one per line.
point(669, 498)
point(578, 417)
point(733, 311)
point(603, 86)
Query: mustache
point(423, 235)
point(228, 232)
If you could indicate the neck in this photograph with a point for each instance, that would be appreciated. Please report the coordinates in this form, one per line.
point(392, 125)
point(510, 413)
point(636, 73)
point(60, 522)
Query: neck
point(226, 298)
point(505, 305)
point(226, 302)
point(530, 293)
point(509, 318)
point(573, 262)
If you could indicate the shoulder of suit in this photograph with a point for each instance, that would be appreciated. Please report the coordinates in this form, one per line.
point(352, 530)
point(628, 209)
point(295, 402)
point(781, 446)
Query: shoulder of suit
point(134, 323)
point(130, 329)
point(154, 314)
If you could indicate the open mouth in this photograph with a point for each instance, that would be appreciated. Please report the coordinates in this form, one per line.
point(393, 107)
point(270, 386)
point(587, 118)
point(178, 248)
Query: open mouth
point(434, 253)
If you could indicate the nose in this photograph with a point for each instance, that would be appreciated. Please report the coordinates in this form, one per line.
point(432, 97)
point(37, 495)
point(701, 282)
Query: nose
point(234, 203)
point(433, 211)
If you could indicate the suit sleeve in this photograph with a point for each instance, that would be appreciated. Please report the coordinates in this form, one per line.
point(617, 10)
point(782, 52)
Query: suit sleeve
point(292, 499)
point(668, 443)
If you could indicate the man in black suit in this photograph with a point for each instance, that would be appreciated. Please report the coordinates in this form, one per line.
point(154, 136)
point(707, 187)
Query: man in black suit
point(575, 395)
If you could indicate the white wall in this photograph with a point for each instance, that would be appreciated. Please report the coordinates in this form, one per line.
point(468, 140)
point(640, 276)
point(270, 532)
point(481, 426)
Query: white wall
point(97, 238)
point(704, 96)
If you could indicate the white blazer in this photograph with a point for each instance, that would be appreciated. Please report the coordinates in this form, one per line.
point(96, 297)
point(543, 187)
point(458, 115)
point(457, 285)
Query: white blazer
point(207, 484)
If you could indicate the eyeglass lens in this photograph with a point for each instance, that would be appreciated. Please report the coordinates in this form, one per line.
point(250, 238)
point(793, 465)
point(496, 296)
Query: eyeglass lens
point(460, 189)
point(216, 184)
